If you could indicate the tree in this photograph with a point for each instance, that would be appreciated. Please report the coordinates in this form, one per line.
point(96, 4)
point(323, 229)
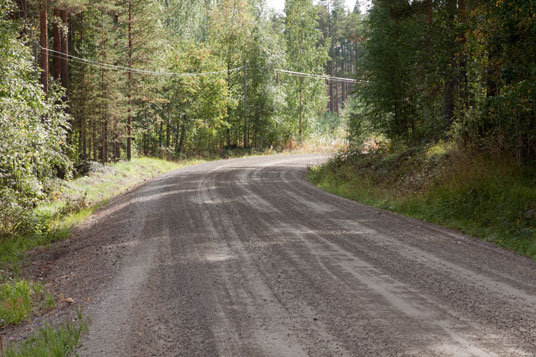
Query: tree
point(305, 97)
point(230, 29)
point(32, 129)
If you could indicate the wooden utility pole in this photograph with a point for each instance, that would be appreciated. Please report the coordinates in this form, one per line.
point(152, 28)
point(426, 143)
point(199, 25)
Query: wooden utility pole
point(246, 138)
point(129, 119)
point(44, 44)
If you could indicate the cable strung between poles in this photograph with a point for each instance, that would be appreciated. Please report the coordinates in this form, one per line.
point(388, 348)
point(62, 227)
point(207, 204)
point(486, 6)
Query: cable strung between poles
point(134, 70)
point(317, 76)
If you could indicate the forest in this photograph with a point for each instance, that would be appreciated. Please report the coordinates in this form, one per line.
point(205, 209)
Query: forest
point(109, 80)
point(85, 81)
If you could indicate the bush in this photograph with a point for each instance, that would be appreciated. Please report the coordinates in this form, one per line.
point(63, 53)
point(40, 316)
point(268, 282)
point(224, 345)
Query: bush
point(32, 130)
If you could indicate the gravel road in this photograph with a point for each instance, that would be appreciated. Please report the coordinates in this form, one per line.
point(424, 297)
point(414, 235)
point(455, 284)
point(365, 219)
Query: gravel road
point(244, 257)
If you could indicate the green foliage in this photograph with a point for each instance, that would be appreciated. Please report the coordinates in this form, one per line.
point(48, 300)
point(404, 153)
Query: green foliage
point(32, 131)
point(440, 184)
point(76, 200)
point(450, 69)
point(19, 299)
point(51, 341)
point(387, 95)
point(197, 105)
point(305, 97)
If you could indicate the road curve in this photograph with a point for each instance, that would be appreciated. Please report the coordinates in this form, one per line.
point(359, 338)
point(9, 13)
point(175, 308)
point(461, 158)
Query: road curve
point(244, 257)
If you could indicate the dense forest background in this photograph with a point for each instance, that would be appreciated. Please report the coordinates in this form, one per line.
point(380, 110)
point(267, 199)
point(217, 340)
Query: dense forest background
point(451, 70)
point(107, 80)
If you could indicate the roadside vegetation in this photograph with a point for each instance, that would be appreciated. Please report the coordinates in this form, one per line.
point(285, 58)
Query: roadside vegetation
point(49, 341)
point(441, 126)
point(74, 200)
point(487, 197)
point(51, 220)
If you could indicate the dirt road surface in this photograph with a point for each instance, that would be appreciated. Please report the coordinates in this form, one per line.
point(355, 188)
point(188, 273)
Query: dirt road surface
point(246, 258)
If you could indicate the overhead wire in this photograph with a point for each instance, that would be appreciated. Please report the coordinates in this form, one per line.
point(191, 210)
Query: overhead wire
point(317, 76)
point(104, 65)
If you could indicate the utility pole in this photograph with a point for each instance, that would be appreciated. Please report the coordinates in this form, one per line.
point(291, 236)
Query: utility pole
point(246, 138)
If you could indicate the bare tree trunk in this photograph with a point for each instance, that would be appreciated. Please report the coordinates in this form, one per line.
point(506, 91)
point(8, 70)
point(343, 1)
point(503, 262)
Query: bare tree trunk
point(65, 50)
point(330, 83)
point(44, 44)
point(93, 142)
point(300, 129)
point(450, 84)
point(129, 120)
point(104, 114)
point(337, 97)
point(246, 138)
point(183, 136)
point(463, 82)
point(168, 131)
point(56, 59)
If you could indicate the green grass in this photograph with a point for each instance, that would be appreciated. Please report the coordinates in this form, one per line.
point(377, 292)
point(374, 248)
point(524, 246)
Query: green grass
point(50, 341)
point(78, 199)
point(20, 298)
point(487, 198)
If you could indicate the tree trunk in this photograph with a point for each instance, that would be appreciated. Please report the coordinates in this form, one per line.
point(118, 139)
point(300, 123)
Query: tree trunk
point(104, 104)
point(183, 136)
point(450, 83)
point(330, 83)
point(44, 45)
point(168, 131)
point(300, 132)
point(246, 138)
point(337, 97)
point(462, 64)
point(129, 119)
point(65, 51)
point(56, 59)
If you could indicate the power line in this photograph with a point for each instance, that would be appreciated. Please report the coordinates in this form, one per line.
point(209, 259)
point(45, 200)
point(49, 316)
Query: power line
point(134, 70)
point(109, 66)
point(317, 76)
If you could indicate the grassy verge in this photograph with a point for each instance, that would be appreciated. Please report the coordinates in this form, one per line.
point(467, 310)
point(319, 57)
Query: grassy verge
point(50, 341)
point(21, 299)
point(484, 197)
point(76, 200)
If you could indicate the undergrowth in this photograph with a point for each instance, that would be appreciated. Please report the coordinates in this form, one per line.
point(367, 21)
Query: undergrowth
point(48, 341)
point(74, 201)
point(20, 298)
point(487, 197)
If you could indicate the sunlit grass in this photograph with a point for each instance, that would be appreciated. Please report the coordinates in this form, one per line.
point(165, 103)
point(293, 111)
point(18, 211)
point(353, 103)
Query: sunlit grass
point(20, 298)
point(48, 341)
point(78, 199)
point(493, 200)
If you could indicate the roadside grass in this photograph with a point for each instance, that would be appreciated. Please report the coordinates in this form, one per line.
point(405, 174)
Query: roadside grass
point(489, 198)
point(20, 298)
point(76, 200)
point(48, 341)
